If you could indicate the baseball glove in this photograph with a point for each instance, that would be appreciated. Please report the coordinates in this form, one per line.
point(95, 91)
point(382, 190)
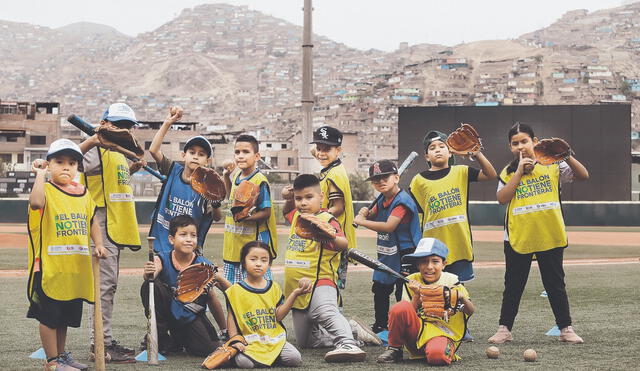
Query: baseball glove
point(120, 140)
point(223, 353)
point(438, 301)
point(464, 140)
point(207, 183)
point(244, 200)
point(550, 151)
point(194, 281)
point(310, 227)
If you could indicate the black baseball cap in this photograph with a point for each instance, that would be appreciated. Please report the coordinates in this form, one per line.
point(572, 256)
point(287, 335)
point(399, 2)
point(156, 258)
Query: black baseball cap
point(382, 168)
point(327, 135)
point(432, 136)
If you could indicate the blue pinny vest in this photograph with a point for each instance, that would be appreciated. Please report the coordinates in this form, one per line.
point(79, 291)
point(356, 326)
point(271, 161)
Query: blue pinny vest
point(406, 236)
point(177, 198)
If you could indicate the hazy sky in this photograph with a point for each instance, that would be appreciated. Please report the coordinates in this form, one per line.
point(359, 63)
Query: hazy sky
point(364, 24)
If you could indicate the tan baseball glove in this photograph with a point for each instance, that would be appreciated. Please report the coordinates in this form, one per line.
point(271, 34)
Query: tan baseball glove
point(310, 227)
point(194, 281)
point(244, 200)
point(464, 140)
point(550, 151)
point(120, 140)
point(223, 353)
point(207, 183)
point(438, 301)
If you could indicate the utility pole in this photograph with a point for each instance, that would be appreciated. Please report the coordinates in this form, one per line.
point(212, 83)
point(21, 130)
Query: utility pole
point(306, 161)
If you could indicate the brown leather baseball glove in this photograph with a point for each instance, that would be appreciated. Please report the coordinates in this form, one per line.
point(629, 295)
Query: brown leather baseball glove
point(244, 200)
point(438, 301)
point(310, 227)
point(550, 151)
point(120, 140)
point(223, 353)
point(464, 140)
point(207, 183)
point(194, 281)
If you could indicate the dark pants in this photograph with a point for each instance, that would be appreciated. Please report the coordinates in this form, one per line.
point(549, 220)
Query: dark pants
point(515, 279)
point(381, 294)
point(198, 337)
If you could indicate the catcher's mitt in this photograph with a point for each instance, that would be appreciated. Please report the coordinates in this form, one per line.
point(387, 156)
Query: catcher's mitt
point(549, 151)
point(464, 140)
point(207, 183)
point(310, 227)
point(223, 353)
point(195, 280)
point(244, 200)
point(120, 140)
point(438, 301)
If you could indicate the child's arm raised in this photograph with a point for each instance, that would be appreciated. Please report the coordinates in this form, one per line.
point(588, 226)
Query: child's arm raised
point(487, 172)
point(389, 226)
point(36, 198)
point(505, 194)
point(175, 114)
point(580, 172)
point(289, 204)
point(304, 287)
point(228, 167)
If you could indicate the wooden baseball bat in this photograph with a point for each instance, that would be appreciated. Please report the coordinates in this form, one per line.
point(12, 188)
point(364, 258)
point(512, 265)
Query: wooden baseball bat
point(81, 124)
point(374, 263)
point(152, 333)
point(405, 165)
point(98, 332)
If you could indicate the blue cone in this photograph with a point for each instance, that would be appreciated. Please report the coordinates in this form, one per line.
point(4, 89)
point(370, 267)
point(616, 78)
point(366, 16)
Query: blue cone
point(543, 294)
point(384, 336)
point(142, 357)
point(38, 354)
point(555, 331)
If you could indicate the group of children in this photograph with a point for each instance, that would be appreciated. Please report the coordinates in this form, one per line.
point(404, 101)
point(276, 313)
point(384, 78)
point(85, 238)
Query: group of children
point(425, 227)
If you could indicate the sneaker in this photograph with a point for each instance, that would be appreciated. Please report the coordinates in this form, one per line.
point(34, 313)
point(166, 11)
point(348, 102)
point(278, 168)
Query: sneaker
point(501, 336)
point(467, 338)
point(65, 357)
point(390, 355)
point(569, 336)
point(345, 353)
point(363, 332)
point(58, 365)
point(122, 349)
point(111, 355)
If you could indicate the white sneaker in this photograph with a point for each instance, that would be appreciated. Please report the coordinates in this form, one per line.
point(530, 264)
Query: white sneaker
point(363, 333)
point(345, 353)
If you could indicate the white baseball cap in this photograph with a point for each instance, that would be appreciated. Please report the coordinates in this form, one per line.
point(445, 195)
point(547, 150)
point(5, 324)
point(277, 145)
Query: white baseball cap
point(65, 146)
point(120, 112)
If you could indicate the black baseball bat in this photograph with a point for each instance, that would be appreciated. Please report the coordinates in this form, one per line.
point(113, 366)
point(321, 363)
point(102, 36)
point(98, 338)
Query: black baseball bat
point(373, 263)
point(78, 122)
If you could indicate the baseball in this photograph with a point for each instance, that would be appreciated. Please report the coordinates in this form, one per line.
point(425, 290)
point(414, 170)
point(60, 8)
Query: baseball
point(492, 352)
point(173, 110)
point(530, 355)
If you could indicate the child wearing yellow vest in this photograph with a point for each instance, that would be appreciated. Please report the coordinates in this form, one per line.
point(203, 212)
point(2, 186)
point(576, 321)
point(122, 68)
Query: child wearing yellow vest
point(427, 337)
point(256, 310)
point(534, 226)
point(107, 175)
point(317, 322)
point(442, 195)
point(61, 222)
point(335, 187)
point(261, 224)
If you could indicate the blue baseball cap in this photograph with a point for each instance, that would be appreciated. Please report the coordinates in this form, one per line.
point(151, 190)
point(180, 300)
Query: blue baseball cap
point(201, 141)
point(426, 247)
point(120, 113)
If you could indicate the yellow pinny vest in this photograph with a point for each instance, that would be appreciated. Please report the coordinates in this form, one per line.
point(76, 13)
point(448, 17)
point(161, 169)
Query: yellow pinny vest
point(307, 258)
point(59, 238)
point(533, 218)
point(444, 203)
point(432, 327)
point(111, 189)
point(237, 234)
point(254, 313)
point(337, 175)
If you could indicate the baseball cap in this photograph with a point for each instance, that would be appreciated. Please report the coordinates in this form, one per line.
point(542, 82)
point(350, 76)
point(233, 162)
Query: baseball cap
point(381, 168)
point(65, 146)
point(118, 112)
point(432, 136)
point(327, 135)
point(426, 247)
point(200, 141)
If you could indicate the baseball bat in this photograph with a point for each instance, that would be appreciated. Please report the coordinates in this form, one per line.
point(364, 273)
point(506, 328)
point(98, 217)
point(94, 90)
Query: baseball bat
point(404, 166)
point(374, 263)
point(98, 332)
point(152, 333)
point(84, 126)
